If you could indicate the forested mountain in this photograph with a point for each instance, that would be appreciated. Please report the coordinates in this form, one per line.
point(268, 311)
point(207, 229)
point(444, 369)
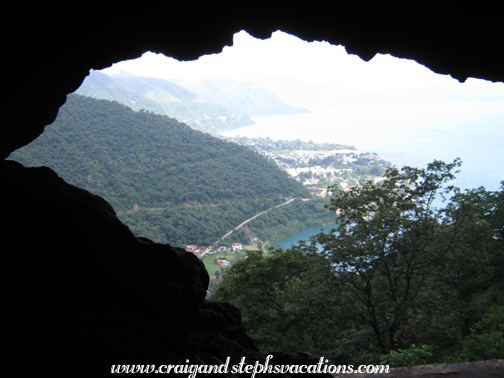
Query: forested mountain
point(166, 180)
point(241, 98)
point(207, 106)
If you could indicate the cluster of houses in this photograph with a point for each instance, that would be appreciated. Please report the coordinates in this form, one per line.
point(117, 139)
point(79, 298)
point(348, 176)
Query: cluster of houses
point(318, 174)
point(234, 247)
point(316, 171)
point(194, 248)
point(197, 250)
point(291, 160)
point(200, 251)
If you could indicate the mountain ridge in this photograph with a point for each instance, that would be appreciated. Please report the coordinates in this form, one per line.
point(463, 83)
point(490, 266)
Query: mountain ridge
point(148, 165)
point(208, 106)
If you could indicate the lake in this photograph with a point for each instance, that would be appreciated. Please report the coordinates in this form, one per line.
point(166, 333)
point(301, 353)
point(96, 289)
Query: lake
point(303, 235)
point(405, 134)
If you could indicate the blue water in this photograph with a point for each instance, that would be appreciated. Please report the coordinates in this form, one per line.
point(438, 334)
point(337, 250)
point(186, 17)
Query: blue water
point(412, 135)
point(303, 235)
point(415, 137)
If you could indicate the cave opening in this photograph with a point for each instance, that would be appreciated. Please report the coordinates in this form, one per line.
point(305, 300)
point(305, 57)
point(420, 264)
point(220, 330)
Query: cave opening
point(392, 107)
point(53, 297)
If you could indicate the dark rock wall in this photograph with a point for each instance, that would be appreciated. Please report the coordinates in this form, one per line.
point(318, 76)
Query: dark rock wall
point(80, 291)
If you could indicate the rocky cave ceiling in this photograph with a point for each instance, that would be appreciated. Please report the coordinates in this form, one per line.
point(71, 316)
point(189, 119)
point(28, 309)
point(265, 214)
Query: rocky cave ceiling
point(50, 49)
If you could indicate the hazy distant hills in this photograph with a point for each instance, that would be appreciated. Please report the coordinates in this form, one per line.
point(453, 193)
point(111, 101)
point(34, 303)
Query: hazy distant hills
point(166, 180)
point(204, 105)
point(241, 97)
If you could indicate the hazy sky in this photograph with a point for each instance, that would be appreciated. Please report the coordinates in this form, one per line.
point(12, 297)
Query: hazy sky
point(319, 75)
point(393, 106)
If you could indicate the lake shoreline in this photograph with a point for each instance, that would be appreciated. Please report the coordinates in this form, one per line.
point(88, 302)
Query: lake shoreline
point(302, 235)
point(414, 136)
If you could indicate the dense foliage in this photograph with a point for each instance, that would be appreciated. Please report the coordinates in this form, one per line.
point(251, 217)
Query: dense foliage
point(282, 298)
point(166, 180)
point(397, 272)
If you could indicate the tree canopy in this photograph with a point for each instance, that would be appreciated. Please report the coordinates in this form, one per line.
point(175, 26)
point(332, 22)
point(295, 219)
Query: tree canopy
point(402, 268)
point(165, 180)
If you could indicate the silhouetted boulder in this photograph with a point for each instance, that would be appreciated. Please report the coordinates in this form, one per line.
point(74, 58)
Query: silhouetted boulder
point(66, 247)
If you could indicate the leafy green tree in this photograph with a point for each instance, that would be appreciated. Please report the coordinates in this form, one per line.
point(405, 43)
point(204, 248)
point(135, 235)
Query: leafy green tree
point(471, 280)
point(486, 341)
point(391, 241)
point(282, 298)
point(398, 271)
point(490, 205)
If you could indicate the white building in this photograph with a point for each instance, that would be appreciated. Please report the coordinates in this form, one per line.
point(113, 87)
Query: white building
point(237, 247)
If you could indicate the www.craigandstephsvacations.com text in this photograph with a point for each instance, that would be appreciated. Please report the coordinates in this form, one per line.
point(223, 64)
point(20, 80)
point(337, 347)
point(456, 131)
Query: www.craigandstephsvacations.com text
point(242, 368)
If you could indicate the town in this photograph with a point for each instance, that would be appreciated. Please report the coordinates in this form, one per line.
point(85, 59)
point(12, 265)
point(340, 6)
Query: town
point(319, 165)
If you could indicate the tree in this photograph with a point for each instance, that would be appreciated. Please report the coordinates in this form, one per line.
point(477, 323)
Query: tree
point(391, 241)
point(398, 271)
point(472, 280)
point(486, 341)
point(283, 299)
point(490, 205)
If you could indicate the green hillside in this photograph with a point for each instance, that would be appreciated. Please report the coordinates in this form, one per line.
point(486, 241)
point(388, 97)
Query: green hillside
point(183, 105)
point(99, 85)
point(162, 97)
point(165, 180)
point(207, 105)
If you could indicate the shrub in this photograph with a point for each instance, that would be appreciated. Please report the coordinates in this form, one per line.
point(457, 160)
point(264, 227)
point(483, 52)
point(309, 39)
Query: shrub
point(408, 357)
point(486, 341)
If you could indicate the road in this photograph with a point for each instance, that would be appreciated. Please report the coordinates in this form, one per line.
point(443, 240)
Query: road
point(209, 249)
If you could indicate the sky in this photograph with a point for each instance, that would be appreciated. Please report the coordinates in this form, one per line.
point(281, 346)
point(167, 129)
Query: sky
point(396, 107)
point(286, 56)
